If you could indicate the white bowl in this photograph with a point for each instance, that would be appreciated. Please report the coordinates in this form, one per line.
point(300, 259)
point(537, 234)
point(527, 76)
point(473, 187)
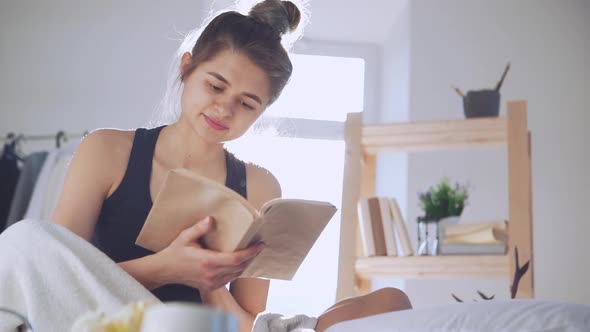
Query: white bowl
point(187, 317)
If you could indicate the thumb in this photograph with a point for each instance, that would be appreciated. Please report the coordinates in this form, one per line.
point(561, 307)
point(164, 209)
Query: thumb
point(195, 232)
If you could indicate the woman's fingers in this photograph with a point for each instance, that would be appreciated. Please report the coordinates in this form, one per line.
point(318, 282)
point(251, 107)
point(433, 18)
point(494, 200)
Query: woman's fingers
point(194, 233)
point(220, 276)
point(203, 268)
point(230, 277)
point(233, 263)
point(237, 258)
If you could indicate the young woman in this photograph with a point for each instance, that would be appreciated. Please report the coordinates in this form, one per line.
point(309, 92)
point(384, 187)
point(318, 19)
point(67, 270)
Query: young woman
point(236, 69)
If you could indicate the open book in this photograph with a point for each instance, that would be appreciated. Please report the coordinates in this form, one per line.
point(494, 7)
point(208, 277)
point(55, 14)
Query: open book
point(288, 227)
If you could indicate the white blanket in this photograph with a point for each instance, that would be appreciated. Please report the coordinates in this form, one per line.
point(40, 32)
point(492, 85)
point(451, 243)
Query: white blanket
point(490, 316)
point(52, 277)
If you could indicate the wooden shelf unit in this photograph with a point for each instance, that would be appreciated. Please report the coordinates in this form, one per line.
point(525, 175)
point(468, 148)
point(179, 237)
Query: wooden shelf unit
point(363, 143)
point(433, 267)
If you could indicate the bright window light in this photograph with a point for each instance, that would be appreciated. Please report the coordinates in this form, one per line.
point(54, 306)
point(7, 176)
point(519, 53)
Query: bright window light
point(322, 88)
point(309, 168)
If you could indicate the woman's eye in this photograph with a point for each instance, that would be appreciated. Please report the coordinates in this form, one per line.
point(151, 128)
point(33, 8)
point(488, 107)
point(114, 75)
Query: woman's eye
point(215, 87)
point(246, 105)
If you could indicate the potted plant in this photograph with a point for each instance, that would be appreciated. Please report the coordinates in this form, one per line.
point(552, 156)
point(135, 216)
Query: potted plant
point(441, 204)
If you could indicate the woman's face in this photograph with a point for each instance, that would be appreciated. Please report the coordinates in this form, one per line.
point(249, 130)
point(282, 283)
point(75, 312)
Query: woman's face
point(223, 97)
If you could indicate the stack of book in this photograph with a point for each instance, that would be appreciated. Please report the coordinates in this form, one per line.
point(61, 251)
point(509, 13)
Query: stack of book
point(382, 227)
point(475, 238)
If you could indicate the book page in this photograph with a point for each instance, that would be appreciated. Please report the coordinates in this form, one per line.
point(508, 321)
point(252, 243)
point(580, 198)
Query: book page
point(290, 229)
point(186, 198)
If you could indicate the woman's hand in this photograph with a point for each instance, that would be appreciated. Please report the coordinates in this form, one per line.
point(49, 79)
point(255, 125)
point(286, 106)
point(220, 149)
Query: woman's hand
point(185, 261)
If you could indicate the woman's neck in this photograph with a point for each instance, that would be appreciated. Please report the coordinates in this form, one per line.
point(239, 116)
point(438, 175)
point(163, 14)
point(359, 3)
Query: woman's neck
point(182, 147)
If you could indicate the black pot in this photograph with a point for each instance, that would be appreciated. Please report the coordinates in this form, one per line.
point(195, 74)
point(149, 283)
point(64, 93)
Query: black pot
point(481, 103)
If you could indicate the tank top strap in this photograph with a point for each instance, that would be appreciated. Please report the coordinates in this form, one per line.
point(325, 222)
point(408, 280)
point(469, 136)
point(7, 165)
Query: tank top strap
point(236, 174)
point(139, 168)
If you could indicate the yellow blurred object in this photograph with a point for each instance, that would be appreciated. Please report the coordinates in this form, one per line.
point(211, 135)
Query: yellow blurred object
point(128, 319)
point(131, 322)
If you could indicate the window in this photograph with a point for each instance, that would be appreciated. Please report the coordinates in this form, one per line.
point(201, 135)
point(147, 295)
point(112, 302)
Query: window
point(301, 142)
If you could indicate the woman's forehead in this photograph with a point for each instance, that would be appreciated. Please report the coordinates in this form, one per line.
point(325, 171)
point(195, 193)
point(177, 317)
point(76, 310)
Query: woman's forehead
point(239, 71)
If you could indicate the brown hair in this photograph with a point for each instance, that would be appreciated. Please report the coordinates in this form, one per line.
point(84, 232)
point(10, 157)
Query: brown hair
point(256, 35)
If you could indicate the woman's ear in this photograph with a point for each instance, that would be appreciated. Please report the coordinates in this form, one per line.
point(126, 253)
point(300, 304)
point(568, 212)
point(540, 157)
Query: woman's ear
point(185, 62)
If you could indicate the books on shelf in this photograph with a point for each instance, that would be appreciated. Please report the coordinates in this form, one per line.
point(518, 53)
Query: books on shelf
point(288, 227)
point(384, 232)
point(484, 238)
point(388, 224)
point(472, 249)
point(477, 233)
point(382, 228)
point(371, 227)
point(401, 229)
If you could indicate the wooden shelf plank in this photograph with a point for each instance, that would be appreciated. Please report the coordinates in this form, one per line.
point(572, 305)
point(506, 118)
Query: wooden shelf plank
point(434, 267)
point(434, 135)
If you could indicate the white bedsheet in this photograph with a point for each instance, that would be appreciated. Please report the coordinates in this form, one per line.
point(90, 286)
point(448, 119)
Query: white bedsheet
point(493, 315)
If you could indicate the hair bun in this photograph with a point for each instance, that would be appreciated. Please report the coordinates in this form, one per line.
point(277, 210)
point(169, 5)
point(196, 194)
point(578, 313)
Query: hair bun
point(282, 16)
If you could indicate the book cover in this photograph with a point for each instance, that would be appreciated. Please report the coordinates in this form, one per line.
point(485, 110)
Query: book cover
point(289, 227)
point(388, 230)
point(401, 229)
point(377, 226)
point(365, 227)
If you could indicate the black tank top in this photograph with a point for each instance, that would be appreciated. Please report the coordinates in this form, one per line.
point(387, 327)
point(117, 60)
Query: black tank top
point(124, 212)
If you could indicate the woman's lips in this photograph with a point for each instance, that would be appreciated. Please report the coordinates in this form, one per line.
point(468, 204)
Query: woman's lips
point(214, 124)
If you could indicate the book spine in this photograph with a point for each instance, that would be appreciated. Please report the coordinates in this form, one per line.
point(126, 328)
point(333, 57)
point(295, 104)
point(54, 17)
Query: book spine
point(366, 231)
point(377, 226)
point(388, 230)
point(402, 230)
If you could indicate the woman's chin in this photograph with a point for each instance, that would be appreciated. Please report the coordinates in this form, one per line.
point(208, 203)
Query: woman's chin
point(209, 135)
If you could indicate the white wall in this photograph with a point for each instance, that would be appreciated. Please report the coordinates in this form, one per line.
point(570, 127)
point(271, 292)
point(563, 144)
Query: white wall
point(394, 96)
point(73, 66)
point(467, 43)
point(392, 168)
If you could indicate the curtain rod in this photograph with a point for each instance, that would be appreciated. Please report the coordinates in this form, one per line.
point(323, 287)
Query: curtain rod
point(61, 133)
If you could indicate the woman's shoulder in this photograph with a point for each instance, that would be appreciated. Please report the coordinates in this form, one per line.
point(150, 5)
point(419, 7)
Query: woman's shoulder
point(108, 146)
point(108, 135)
point(111, 142)
point(262, 184)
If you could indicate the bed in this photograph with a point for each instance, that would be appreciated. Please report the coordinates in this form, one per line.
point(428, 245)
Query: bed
point(518, 315)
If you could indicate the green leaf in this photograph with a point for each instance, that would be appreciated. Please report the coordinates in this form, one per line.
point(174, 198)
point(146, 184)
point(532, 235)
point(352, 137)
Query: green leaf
point(443, 200)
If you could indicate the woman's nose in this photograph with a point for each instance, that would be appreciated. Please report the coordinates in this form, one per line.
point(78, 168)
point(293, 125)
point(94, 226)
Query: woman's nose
point(224, 107)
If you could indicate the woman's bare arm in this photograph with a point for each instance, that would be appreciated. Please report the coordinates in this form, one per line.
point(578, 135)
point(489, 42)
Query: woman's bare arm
point(91, 175)
point(95, 170)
